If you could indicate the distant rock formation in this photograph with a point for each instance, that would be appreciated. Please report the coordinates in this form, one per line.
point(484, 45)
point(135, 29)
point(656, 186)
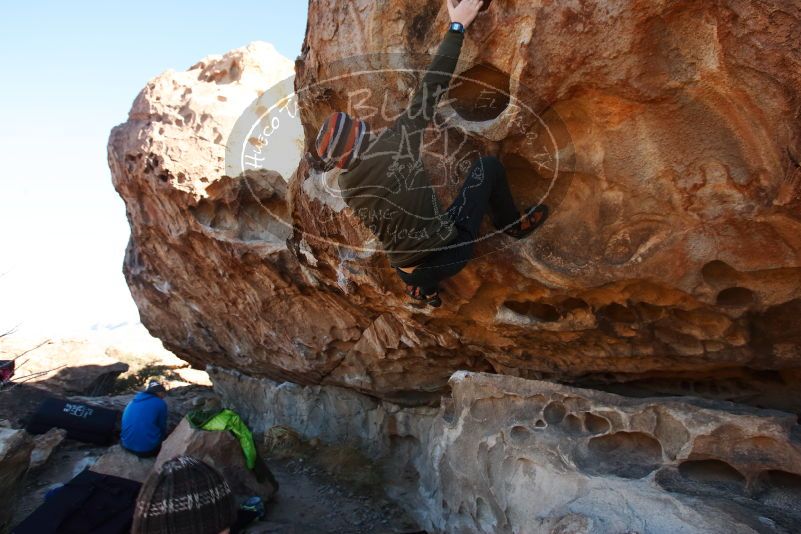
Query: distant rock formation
point(666, 136)
point(66, 366)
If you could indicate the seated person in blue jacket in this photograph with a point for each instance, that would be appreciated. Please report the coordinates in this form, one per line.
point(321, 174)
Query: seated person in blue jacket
point(144, 421)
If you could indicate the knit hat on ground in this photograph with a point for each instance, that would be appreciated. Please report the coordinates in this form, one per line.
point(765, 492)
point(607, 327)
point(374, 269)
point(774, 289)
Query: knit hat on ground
point(185, 496)
point(341, 140)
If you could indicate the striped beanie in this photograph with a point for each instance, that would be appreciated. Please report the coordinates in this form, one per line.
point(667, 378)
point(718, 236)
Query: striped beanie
point(341, 140)
point(185, 496)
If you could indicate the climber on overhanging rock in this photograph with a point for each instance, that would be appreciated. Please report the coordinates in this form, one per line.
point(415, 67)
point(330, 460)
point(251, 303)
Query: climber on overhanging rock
point(381, 178)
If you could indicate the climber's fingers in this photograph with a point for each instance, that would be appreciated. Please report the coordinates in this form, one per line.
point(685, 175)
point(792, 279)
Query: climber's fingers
point(465, 11)
point(475, 5)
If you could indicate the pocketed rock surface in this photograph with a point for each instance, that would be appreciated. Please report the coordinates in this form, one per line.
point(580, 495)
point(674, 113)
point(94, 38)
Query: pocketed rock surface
point(15, 454)
point(505, 454)
point(665, 137)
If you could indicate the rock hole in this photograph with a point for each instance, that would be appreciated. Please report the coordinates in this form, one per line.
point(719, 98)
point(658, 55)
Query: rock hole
point(480, 93)
point(483, 409)
point(596, 424)
point(484, 516)
point(528, 185)
point(780, 489)
point(718, 273)
point(519, 435)
point(670, 432)
point(735, 296)
point(782, 480)
point(526, 467)
point(251, 207)
point(421, 24)
point(617, 313)
point(404, 450)
point(572, 425)
point(541, 312)
point(539, 424)
point(152, 163)
point(769, 375)
point(554, 413)
point(448, 409)
point(572, 304)
point(623, 454)
point(234, 73)
point(650, 312)
point(710, 471)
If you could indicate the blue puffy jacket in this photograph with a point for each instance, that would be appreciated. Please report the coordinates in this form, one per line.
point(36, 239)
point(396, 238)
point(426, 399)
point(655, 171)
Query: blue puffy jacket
point(144, 423)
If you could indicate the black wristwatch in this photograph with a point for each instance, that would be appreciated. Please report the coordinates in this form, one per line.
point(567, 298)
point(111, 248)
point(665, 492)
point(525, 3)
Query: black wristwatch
point(456, 27)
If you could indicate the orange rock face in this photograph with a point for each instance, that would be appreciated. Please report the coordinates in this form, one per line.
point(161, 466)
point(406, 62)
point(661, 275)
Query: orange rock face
point(665, 136)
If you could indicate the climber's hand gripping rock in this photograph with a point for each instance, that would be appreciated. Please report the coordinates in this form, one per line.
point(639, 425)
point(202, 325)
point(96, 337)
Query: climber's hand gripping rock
point(464, 12)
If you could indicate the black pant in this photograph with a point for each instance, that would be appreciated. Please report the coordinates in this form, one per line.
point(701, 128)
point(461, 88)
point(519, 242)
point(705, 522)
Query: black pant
point(90, 502)
point(485, 186)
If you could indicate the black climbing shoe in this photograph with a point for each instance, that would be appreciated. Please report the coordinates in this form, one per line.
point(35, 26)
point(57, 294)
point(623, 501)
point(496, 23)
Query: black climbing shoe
point(534, 217)
point(421, 299)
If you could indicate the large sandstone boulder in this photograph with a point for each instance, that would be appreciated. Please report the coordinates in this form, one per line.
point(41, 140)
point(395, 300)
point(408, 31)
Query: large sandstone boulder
point(220, 450)
point(15, 454)
point(665, 136)
point(118, 462)
point(505, 454)
point(44, 445)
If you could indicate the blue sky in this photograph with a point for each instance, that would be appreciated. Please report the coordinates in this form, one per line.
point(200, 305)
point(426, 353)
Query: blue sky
point(70, 73)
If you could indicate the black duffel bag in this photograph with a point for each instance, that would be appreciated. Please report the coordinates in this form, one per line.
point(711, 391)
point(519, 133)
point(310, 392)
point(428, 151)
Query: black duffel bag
point(82, 422)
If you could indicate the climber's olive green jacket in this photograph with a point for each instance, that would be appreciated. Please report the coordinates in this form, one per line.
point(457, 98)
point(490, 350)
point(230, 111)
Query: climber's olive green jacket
point(388, 189)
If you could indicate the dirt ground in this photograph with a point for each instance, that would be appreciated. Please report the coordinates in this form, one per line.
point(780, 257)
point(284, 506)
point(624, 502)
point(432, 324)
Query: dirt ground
point(310, 501)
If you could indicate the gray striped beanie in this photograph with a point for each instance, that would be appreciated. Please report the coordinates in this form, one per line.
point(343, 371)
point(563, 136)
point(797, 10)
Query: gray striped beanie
point(185, 496)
